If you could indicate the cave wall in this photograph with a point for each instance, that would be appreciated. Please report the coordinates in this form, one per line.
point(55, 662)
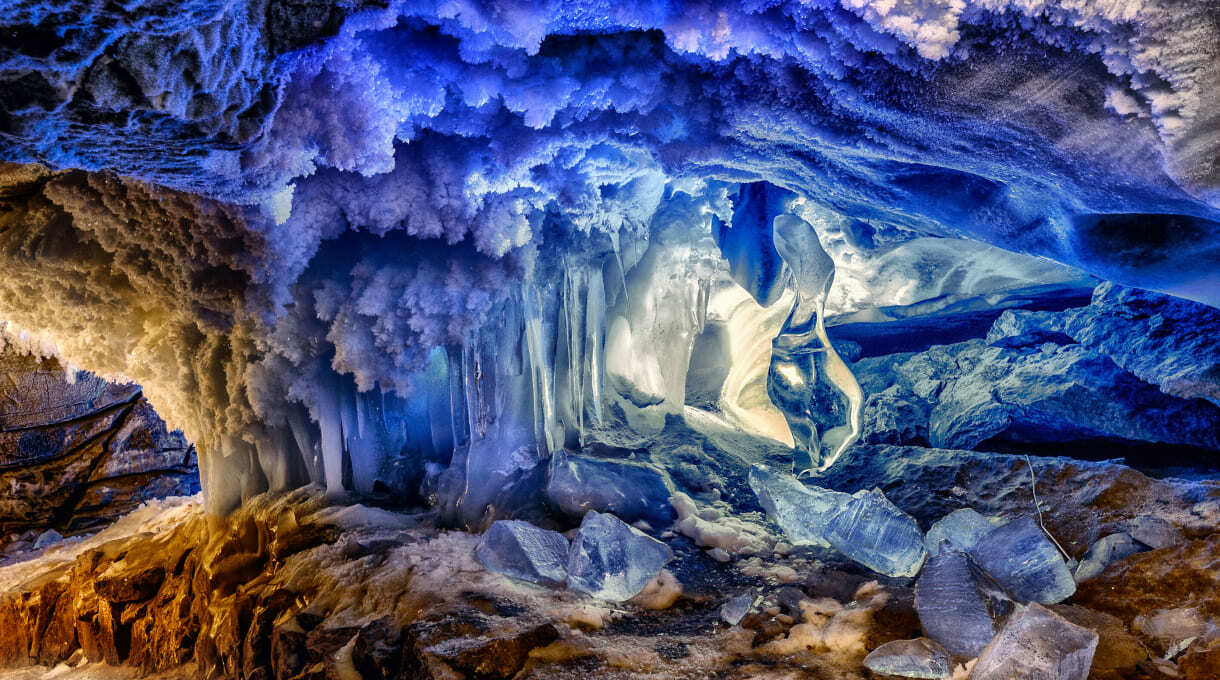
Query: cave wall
point(77, 454)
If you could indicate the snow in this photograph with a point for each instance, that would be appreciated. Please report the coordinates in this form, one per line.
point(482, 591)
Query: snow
point(151, 517)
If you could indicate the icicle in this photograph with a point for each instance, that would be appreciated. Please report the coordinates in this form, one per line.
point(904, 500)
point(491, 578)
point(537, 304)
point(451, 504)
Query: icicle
point(595, 331)
point(543, 404)
point(622, 273)
point(361, 417)
point(330, 424)
point(302, 433)
point(455, 357)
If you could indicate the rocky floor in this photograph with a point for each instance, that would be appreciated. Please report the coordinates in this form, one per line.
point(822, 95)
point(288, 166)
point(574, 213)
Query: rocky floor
point(307, 587)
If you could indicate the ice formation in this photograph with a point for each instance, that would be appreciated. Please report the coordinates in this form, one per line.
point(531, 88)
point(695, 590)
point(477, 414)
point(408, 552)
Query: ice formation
point(418, 248)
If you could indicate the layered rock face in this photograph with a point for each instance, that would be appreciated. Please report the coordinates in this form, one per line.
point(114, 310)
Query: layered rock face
point(76, 454)
point(1131, 374)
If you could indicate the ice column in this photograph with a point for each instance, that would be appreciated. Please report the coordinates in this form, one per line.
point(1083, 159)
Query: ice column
point(808, 380)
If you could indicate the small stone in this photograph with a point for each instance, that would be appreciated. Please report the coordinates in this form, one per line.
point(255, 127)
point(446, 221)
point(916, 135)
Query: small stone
point(1021, 558)
point(522, 551)
point(800, 511)
point(918, 658)
point(733, 611)
point(958, 604)
point(873, 532)
point(613, 561)
point(962, 529)
point(719, 554)
point(1105, 551)
point(1037, 644)
point(47, 538)
point(1154, 532)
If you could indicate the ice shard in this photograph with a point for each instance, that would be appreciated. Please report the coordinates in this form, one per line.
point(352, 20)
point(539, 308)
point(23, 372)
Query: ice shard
point(801, 511)
point(613, 561)
point(958, 604)
point(1037, 644)
point(524, 551)
point(1025, 562)
point(875, 533)
point(630, 491)
point(1106, 550)
point(918, 658)
point(960, 530)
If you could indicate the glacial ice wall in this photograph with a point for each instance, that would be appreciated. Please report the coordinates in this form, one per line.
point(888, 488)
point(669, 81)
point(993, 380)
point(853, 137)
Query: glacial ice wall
point(324, 234)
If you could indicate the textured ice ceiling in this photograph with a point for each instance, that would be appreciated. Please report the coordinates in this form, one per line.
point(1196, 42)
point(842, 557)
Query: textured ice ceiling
point(247, 205)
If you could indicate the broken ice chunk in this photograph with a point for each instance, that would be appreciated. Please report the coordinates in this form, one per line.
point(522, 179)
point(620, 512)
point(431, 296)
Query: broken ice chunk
point(1023, 560)
point(613, 561)
point(1037, 644)
point(962, 529)
point(628, 490)
point(733, 611)
point(801, 511)
point(1105, 551)
point(523, 551)
point(874, 532)
point(918, 658)
point(47, 538)
point(958, 604)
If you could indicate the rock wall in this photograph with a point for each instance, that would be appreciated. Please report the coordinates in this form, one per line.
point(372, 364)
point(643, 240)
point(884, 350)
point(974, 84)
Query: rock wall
point(78, 453)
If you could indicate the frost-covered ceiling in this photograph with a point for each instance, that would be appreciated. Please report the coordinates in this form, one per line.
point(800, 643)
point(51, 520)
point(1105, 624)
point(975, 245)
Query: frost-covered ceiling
point(241, 199)
point(1013, 122)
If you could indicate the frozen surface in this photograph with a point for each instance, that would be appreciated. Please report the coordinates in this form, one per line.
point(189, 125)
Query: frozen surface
point(1025, 562)
point(1037, 644)
point(613, 561)
point(524, 551)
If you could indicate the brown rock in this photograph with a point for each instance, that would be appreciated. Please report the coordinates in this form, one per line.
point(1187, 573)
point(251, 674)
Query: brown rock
point(474, 644)
point(1117, 648)
point(1200, 665)
point(118, 584)
point(1180, 576)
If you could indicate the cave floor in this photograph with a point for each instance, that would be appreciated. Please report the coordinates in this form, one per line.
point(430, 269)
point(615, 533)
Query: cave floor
point(302, 586)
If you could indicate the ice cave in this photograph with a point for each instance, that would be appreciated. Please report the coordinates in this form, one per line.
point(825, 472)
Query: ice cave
point(571, 339)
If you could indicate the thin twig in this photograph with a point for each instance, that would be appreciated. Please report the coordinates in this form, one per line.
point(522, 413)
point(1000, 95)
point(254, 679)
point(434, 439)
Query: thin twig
point(1033, 487)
